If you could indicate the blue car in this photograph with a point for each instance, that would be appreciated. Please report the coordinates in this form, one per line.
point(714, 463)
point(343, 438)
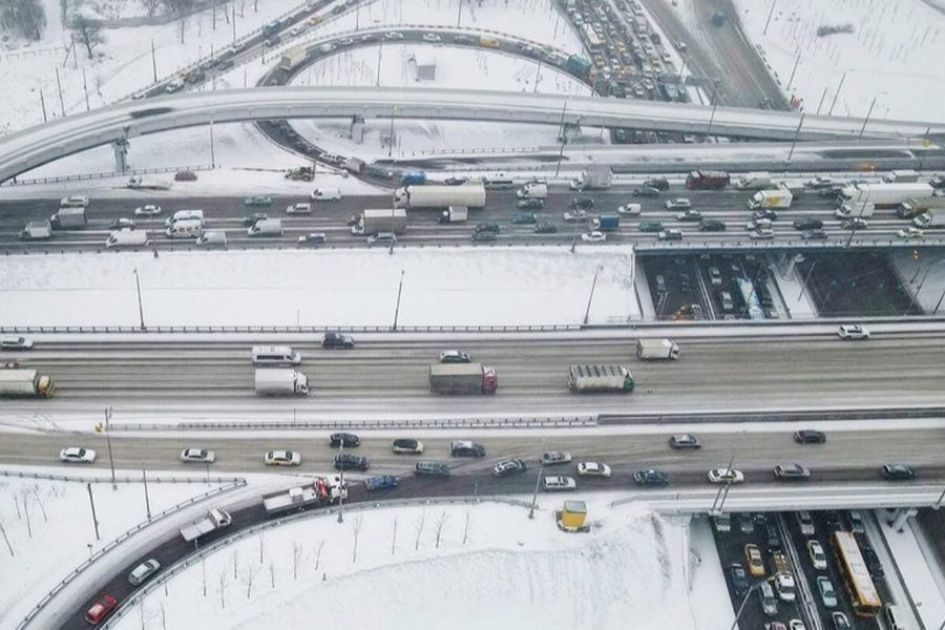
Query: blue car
point(382, 482)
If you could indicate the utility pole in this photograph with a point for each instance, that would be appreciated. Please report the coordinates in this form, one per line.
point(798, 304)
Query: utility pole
point(715, 104)
point(108, 442)
point(591, 296)
point(85, 86)
point(341, 484)
point(140, 305)
point(147, 499)
point(400, 290)
point(62, 105)
point(564, 138)
point(770, 13)
point(213, 159)
point(836, 94)
point(88, 487)
point(797, 134)
point(153, 61)
point(867, 119)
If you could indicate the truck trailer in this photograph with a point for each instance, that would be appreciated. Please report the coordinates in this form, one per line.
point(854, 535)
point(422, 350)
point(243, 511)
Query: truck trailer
point(754, 181)
point(280, 382)
point(22, 383)
point(933, 218)
point(68, 218)
point(372, 222)
point(440, 197)
point(885, 196)
point(779, 198)
point(463, 378)
point(214, 520)
point(657, 349)
point(36, 231)
point(707, 180)
point(321, 492)
point(913, 207)
point(587, 379)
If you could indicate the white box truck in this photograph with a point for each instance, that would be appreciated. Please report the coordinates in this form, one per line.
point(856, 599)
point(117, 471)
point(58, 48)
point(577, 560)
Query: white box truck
point(453, 214)
point(371, 222)
point(657, 349)
point(440, 197)
point(886, 195)
point(19, 383)
point(906, 176)
point(780, 198)
point(68, 218)
point(593, 178)
point(280, 382)
point(37, 231)
point(933, 218)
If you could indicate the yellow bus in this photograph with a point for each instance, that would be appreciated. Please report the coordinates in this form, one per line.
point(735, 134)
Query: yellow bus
point(855, 575)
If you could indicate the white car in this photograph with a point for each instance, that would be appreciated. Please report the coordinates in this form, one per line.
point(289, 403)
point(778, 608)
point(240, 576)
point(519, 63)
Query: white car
point(631, 209)
point(77, 455)
point(763, 234)
point(726, 475)
point(593, 237)
point(575, 215)
point(550, 484)
point(853, 333)
point(15, 343)
point(817, 556)
point(283, 458)
point(174, 86)
point(910, 232)
point(74, 201)
point(555, 457)
point(299, 208)
point(432, 37)
point(593, 469)
point(393, 35)
point(197, 455)
point(454, 356)
point(147, 211)
point(678, 203)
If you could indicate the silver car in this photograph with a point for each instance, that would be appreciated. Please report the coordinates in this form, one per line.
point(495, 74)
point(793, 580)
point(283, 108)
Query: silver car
point(143, 571)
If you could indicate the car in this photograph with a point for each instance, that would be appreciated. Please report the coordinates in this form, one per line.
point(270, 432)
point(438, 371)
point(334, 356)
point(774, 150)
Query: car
point(657, 183)
point(593, 469)
point(432, 37)
point(726, 475)
point(828, 595)
point(530, 204)
point(746, 523)
point(258, 200)
point(385, 239)
point(651, 226)
point(552, 458)
point(253, 219)
point(122, 224)
point(100, 609)
point(148, 211)
point(808, 224)
point(143, 572)
point(349, 461)
point(77, 455)
point(457, 181)
point(462, 39)
point(454, 356)
point(525, 218)
point(805, 522)
point(646, 191)
point(546, 228)
point(651, 477)
point(552, 484)
point(381, 482)
point(810, 436)
point(678, 203)
point(715, 276)
point(739, 578)
point(407, 446)
point(426, 468)
point(820, 182)
point(299, 208)
point(488, 227)
point(197, 456)
point(769, 605)
point(840, 621)
point(484, 237)
point(630, 209)
point(15, 343)
point(684, 440)
point(711, 225)
point(578, 214)
point(898, 472)
point(466, 448)
point(773, 540)
point(509, 467)
point(791, 472)
point(853, 522)
point(345, 440)
point(689, 215)
point(282, 458)
point(313, 239)
point(763, 234)
point(775, 625)
point(854, 223)
point(337, 340)
point(74, 201)
point(796, 624)
point(764, 213)
point(347, 41)
point(873, 564)
point(393, 35)
point(670, 235)
point(853, 332)
point(818, 558)
point(756, 564)
point(910, 232)
point(594, 237)
point(581, 203)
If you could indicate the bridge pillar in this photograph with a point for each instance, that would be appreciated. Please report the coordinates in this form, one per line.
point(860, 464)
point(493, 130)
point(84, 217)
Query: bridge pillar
point(897, 519)
point(356, 130)
point(120, 147)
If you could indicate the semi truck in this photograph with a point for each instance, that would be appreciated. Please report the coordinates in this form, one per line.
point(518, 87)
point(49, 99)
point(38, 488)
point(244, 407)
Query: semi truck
point(885, 196)
point(463, 378)
point(280, 382)
point(373, 221)
point(754, 181)
point(657, 349)
point(453, 214)
point(36, 231)
point(933, 218)
point(907, 176)
point(606, 223)
point(214, 520)
point(68, 218)
point(912, 207)
point(293, 58)
point(22, 383)
point(593, 178)
point(779, 198)
point(588, 379)
point(440, 197)
point(320, 492)
point(707, 180)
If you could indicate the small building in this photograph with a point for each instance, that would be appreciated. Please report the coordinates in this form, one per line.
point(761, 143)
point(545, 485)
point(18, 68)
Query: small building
point(573, 517)
point(425, 62)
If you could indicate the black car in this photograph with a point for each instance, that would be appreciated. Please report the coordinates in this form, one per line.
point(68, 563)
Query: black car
point(771, 534)
point(465, 448)
point(764, 213)
point(898, 472)
point(684, 440)
point(483, 237)
point(488, 227)
point(347, 440)
point(582, 203)
point(711, 225)
point(657, 183)
point(651, 477)
point(454, 181)
point(810, 436)
point(646, 191)
point(739, 578)
point(337, 340)
point(347, 461)
point(808, 224)
point(530, 204)
point(873, 565)
point(251, 220)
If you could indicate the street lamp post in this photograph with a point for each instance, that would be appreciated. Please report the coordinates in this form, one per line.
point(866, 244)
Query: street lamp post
point(715, 104)
point(868, 113)
point(390, 146)
point(140, 306)
point(587, 312)
point(741, 607)
point(341, 485)
point(400, 290)
point(108, 442)
point(380, 47)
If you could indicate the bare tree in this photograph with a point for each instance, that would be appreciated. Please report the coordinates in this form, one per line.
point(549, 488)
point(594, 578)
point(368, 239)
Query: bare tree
point(439, 528)
point(248, 576)
point(223, 588)
point(318, 554)
point(393, 542)
point(357, 530)
point(87, 32)
point(151, 6)
point(272, 574)
point(296, 556)
point(26, 16)
point(419, 527)
point(466, 527)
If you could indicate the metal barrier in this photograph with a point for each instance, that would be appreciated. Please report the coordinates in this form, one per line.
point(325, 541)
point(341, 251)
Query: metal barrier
point(26, 475)
point(476, 423)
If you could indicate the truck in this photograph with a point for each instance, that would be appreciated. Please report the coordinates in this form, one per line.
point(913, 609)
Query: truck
point(320, 492)
point(354, 165)
point(293, 58)
point(266, 227)
point(453, 214)
point(605, 223)
point(371, 222)
point(36, 230)
point(588, 379)
point(416, 178)
point(779, 198)
point(139, 182)
point(463, 378)
point(907, 176)
point(127, 238)
point(532, 190)
point(886, 196)
point(67, 218)
point(214, 520)
point(707, 180)
point(593, 178)
point(440, 197)
point(851, 209)
point(22, 383)
point(280, 382)
point(933, 218)
point(581, 67)
point(657, 349)
point(754, 181)
point(912, 207)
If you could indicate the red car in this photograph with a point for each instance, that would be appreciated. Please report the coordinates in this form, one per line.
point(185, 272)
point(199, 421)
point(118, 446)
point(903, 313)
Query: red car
point(101, 609)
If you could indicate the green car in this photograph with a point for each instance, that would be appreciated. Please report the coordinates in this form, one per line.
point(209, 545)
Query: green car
point(546, 228)
point(525, 218)
point(259, 200)
point(651, 226)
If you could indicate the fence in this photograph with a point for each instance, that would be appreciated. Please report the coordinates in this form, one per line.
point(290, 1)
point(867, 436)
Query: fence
point(457, 423)
point(89, 176)
point(47, 477)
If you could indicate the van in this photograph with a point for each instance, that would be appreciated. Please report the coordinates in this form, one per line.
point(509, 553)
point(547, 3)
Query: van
point(184, 229)
point(431, 469)
point(326, 194)
point(212, 239)
point(726, 299)
point(275, 355)
point(894, 618)
point(266, 227)
point(184, 215)
point(127, 238)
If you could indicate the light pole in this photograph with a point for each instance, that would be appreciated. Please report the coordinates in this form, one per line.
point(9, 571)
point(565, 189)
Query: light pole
point(868, 113)
point(393, 113)
point(213, 158)
point(541, 470)
point(564, 138)
point(748, 593)
point(140, 306)
point(836, 94)
point(341, 485)
point(380, 47)
point(108, 442)
point(587, 312)
point(797, 134)
point(400, 290)
point(715, 104)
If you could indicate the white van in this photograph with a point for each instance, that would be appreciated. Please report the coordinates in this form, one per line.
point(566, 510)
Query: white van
point(275, 355)
point(185, 229)
point(212, 239)
point(184, 215)
point(127, 238)
point(326, 194)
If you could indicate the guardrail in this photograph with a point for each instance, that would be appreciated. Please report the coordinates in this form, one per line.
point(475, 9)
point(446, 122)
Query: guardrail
point(117, 541)
point(791, 415)
point(104, 175)
point(27, 475)
point(458, 423)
